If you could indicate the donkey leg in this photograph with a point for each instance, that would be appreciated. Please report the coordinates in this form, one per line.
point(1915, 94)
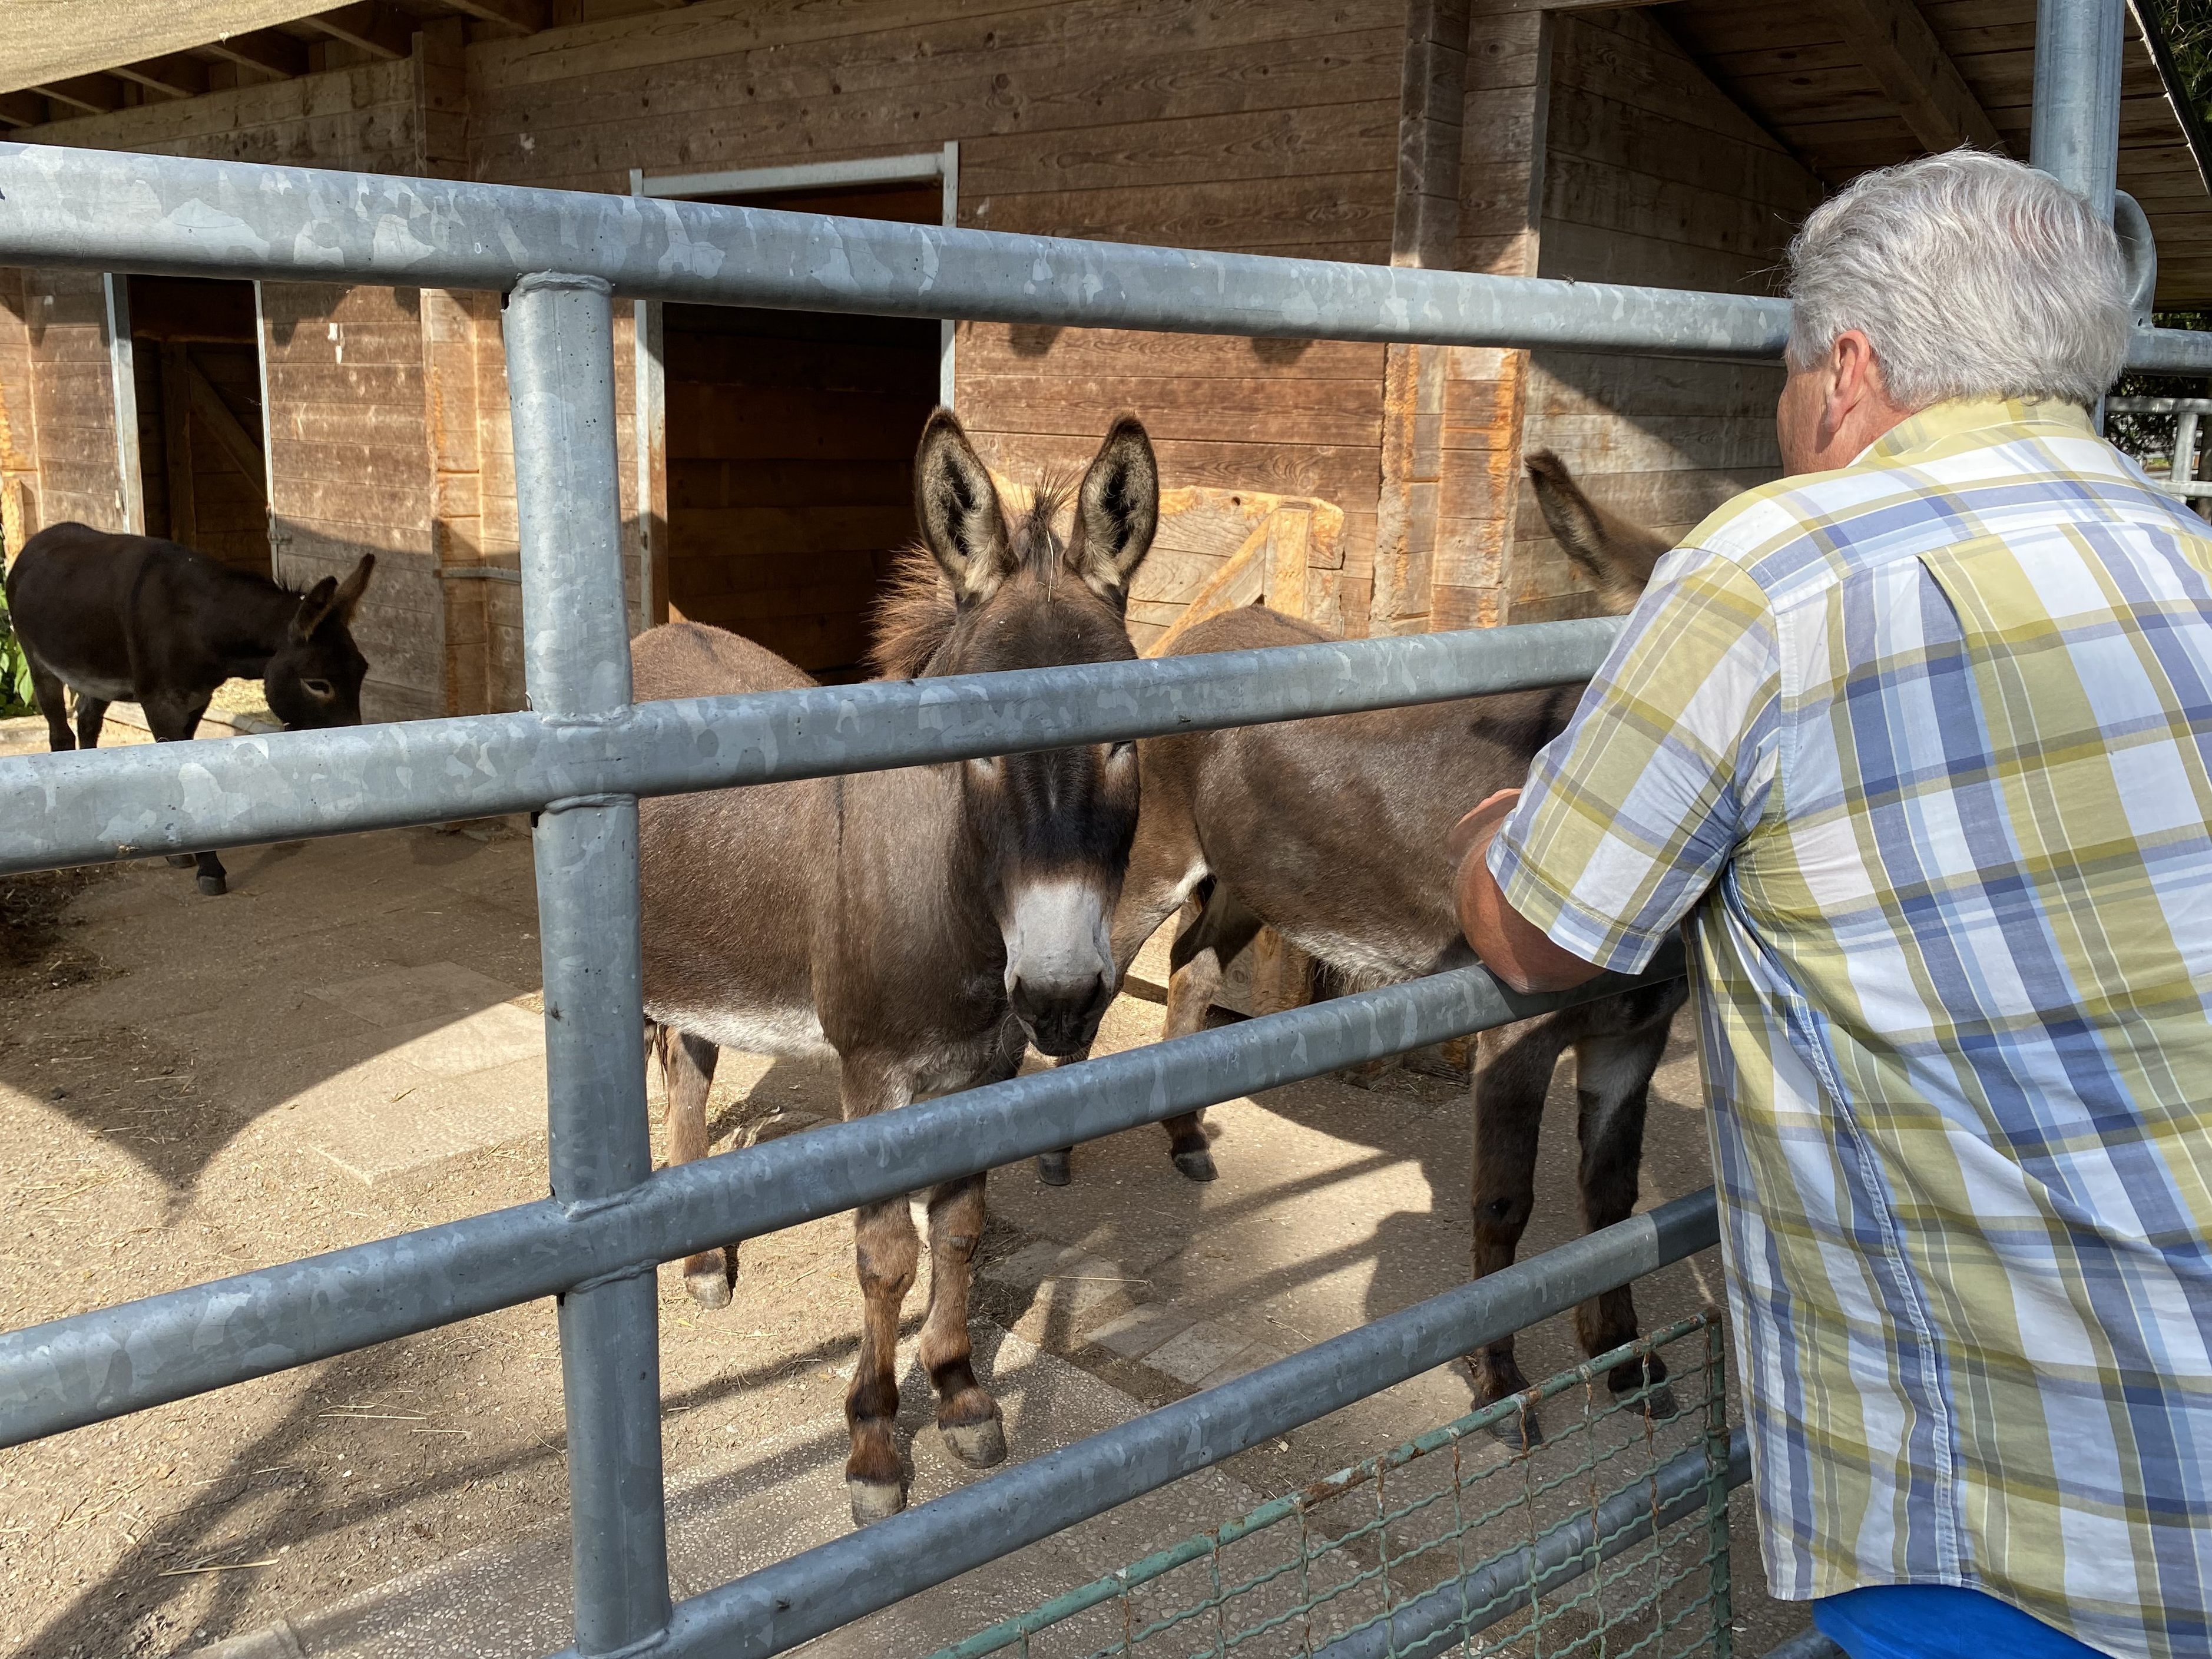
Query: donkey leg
point(1197, 963)
point(176, 722)
point(687, 1074)
point(1512, 1074)
point(91, 714)
point(886, 1250)
point(1613, 1089)
point(967, 1416)
point(53, 698)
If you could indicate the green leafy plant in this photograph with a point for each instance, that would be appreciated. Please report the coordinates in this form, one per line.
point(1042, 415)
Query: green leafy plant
point(14, 669)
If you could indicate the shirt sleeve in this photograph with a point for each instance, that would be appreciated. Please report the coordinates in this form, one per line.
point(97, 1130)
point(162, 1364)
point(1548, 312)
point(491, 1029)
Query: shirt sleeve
point(1629, 813)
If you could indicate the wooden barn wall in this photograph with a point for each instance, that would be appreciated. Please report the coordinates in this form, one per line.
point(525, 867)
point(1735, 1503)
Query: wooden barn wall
point(72, 399)
point(1451, 415)
point(360, 118)
point(19, 431)
point(1262, 125)
point(1651, 175)
point(349, 450)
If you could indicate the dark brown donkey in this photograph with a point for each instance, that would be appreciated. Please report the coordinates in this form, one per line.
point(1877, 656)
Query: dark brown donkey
point(920, 925)
point(1333, 831)
point(115, 617)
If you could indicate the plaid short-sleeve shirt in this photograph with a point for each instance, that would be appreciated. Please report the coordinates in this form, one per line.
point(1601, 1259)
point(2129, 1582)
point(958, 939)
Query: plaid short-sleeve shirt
point(1922, 749)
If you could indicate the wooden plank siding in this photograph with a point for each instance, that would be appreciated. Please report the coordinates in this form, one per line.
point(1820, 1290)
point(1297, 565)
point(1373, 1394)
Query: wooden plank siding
point(349, 453)
point(1256, 126)
point(1675, 146)
point(73, 400)
point(19, 428)
point(1651, 174)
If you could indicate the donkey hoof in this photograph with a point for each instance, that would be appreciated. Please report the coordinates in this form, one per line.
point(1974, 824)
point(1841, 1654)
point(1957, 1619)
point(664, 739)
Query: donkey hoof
point(1523, 1432)
point(1052, 1168)
point(213, 886)
point(1196, 1166)
point(874, 1500)
point(1655, 1401)
point(979, 1445)
point(181, 861)
point(707, 1280)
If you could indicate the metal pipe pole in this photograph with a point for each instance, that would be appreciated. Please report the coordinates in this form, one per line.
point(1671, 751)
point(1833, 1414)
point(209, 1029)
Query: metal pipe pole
point(560, 370)
point(2076, 135)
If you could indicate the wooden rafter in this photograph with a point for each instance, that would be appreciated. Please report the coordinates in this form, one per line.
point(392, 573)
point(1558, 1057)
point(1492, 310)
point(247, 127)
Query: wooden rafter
point(266, 49)
point(1902, 53)
point(178, 77)
point(375, 29)
point(522, 16)
point(94, 95)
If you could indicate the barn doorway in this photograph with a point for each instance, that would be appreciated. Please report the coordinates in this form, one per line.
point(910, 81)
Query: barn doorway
point(790, 437)
point(195, 370)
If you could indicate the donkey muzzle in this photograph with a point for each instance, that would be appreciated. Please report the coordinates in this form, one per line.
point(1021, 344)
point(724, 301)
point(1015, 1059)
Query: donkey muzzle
point(1060, 963)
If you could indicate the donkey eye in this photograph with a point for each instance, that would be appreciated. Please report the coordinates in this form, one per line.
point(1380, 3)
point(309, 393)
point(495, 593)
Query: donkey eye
point(318, 688)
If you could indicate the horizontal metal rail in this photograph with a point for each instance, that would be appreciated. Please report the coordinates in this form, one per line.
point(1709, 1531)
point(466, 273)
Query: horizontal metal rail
point(2159, 405)
point(89, 806)
point(96, 1365)
point(777, 1608)
point(173, 215)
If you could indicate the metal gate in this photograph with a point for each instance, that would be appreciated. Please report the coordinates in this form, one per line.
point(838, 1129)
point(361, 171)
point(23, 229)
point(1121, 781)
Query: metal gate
point(585, 753)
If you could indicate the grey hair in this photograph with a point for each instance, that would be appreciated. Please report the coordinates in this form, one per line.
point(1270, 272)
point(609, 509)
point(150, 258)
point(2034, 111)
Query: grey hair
point(1972, 276)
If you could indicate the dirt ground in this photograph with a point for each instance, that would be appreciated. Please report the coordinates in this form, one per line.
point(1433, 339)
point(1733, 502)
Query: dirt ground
point(161, 1053)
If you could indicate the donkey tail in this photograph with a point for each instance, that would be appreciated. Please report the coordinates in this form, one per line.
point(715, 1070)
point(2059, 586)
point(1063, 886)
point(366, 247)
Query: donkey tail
point(1616, 555)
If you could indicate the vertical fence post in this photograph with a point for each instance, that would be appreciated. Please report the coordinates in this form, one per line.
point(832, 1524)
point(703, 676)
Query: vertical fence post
point(560, 369)
point(2076, 133)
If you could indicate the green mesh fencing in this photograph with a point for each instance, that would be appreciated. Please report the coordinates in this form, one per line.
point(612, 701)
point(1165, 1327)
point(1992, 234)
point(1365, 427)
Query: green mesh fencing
point(1605, 1538)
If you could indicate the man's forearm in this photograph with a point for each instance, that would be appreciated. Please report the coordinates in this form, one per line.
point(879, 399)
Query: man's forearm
point(1511, 947)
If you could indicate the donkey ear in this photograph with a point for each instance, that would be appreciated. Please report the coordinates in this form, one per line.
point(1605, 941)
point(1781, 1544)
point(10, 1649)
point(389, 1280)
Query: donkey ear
point(350, 590)
point(314, 606)
point(1617, 556)
point(1116, 511)
point(958, 506)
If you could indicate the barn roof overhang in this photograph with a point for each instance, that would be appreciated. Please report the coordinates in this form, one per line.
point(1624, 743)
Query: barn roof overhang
point(1850, 85)
point(72, 57)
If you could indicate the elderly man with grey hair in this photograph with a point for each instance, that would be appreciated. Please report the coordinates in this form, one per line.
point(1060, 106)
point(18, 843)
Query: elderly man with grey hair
point(1917, 741)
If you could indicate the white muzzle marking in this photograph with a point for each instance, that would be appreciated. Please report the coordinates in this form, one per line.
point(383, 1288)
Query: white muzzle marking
point(1058, 938)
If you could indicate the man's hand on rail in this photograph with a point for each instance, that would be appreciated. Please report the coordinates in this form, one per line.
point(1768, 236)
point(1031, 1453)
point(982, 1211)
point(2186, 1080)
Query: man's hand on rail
point(1512, 947)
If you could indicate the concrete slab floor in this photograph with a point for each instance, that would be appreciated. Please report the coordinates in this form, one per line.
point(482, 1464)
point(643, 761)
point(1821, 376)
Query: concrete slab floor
point(216, 1091)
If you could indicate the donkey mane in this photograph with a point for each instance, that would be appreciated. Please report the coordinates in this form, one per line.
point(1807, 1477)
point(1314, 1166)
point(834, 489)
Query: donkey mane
point(917, 610)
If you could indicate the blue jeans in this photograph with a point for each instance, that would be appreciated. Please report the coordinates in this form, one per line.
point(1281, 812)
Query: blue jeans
point(1937, 1621)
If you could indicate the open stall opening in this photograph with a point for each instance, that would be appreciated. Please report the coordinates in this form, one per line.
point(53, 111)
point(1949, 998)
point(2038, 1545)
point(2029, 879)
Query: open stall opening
point(791, 438)
point(196, 364)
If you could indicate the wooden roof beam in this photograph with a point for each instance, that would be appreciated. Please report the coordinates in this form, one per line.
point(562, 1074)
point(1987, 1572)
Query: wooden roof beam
point(376, 30)
point(520, 16)
point(94, 95)
point(273, 54)
point(1909, 64)
point(22, 109)
point(178, 77)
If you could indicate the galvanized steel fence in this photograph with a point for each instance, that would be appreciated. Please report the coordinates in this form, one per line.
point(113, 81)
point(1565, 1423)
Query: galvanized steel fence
point(584, 754)
point(1401, 1554)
